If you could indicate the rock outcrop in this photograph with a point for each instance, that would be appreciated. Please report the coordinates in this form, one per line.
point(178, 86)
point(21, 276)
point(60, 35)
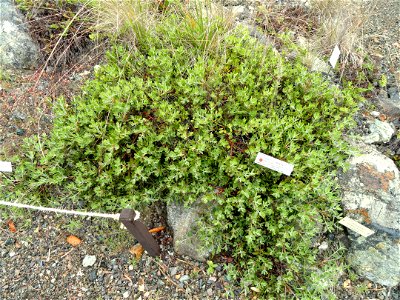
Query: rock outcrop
point(371, 195)
point(17, 49)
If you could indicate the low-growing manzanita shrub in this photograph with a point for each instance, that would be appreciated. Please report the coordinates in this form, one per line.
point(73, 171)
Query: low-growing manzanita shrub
point(176, 123)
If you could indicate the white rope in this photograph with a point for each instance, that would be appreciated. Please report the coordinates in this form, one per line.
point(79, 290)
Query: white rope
point(64, 211)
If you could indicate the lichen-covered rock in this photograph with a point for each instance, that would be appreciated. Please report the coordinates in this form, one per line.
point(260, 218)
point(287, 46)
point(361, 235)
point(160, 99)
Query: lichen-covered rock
point(372, 185)
point(183, 221)
point(371, 195)
point(381, 132)
point(377, 257)
point(17, 50)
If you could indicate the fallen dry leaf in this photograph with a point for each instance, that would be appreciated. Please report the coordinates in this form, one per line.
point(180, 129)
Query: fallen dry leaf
point(382, 117)
point(347, 284)
point(137, 250)
point(254, 289)
point(11, 226)
point(157, 229)
point(73, 240)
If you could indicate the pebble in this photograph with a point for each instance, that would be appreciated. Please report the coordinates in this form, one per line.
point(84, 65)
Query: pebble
point(89, 260)
point(184, 278)
point(126, 294)
point(375, 113)
point(173, 271)
point(324, 246)
point(381, 132)
point(9, 241)
point(20, 131)
point(12, 254)
point(16, 115)
point(92, 275)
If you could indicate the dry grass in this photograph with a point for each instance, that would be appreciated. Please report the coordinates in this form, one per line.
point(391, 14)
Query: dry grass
point(340, 22)
point(195, 23)
point(319, 25)
point(127, 19)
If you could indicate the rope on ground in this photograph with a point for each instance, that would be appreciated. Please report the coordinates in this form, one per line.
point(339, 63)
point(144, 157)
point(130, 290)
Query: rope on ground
point(61, 211)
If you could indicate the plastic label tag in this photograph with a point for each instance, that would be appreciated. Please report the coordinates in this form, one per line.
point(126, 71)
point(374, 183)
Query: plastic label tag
point(335, 56)
point(357, 227)
point(5, 166)
point(274, 164)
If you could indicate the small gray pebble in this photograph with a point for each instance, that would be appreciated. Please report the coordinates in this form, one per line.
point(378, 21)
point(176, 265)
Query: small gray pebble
point(20, 131)
point(92, 276)
point(184, 278)
point(9, 241)
point(173, 271)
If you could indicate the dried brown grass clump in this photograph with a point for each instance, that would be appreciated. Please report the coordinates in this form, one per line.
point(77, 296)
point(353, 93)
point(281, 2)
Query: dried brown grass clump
point(127, 19)
point(340, 22)
point(323, 23)
point(61, 28)
point(134, 22)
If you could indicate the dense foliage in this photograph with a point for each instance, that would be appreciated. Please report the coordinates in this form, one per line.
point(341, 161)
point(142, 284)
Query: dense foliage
point(172, 121)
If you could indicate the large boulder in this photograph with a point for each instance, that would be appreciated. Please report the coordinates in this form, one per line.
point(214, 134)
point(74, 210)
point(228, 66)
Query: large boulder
point(17, 50)
point(371, 195)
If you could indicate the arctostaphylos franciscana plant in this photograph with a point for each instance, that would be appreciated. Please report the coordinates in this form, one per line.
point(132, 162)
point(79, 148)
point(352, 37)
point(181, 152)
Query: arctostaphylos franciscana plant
point(178, 120)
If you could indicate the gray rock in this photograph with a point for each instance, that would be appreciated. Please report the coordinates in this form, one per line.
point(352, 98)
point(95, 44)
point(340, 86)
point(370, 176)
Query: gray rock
point(393, 93)
point(184, 278)
point(259, 35)
point(126, 294)
point(372, 185)
point(182, 220)
point(233, 2)
point(375, 114)
point(371, 196)
point(241, 12)
point(19, 116)
point(88, 260)
point(390, 106)
point(381, 132)
point(312, 60)
point(93, 275)
point(377, 258)
point(173, 271)
point(318, 65)
point(324, 246)
point(17, 50)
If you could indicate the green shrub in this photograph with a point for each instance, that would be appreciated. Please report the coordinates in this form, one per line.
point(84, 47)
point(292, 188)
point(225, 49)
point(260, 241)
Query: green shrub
point(179, 123)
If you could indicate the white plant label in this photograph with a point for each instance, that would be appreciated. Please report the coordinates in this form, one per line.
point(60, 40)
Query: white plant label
point(5, 166)
point(335, 56)
point(274, 164)
point(357, 227)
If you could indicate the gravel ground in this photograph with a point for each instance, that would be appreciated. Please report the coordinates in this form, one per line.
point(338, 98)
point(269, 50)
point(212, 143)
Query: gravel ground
point(38, 263)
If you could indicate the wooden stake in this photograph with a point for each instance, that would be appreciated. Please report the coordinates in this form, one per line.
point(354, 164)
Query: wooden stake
point(139, 231)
